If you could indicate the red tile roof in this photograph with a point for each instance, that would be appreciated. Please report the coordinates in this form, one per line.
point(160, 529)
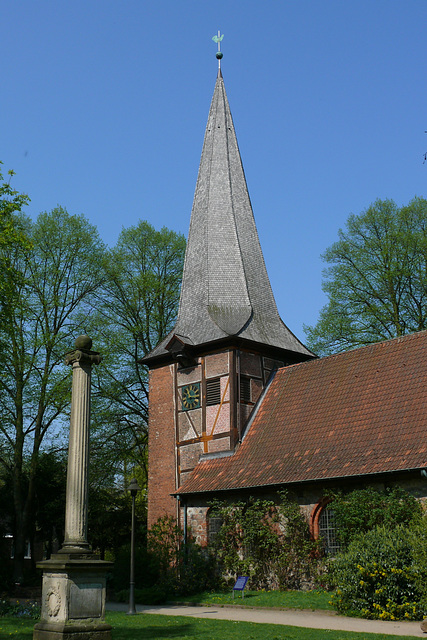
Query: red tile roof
point(355, 413)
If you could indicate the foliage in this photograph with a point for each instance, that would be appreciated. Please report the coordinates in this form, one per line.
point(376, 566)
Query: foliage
point(66, 283)
point(198, 571)
point(377, 279)
point(418, 540)
point(298, 561)
point(135, 309)
point(164, 542)
point(48, 309)
point(182, 569)
point(376, 577)
point(271, 544)
point(49, 499)
point(155, 594)
point(28, 609)
point(146, 574)
point(12, 236)
point(109, 521)
point(247, 542)
point(48, 511)
point(361, 510)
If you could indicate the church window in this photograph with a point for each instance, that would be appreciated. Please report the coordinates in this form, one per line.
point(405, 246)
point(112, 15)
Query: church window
point(245, 389)
point(214, 525)
point(213, 391)
point(328, 531)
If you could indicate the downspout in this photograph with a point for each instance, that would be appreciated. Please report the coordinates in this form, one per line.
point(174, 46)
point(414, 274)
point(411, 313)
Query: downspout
point(239, 423)
point(183, 503)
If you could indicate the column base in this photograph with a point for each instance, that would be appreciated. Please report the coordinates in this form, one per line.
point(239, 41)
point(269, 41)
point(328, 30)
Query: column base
point(73, 599)
point(72, 631)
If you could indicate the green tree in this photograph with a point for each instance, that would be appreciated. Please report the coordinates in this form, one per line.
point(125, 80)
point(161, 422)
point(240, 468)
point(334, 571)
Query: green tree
point(135, 309)
point(377, 279)
point(12, 238)
point(47, 309)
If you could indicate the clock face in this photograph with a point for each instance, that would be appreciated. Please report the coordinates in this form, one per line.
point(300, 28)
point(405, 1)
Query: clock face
point(191, 396)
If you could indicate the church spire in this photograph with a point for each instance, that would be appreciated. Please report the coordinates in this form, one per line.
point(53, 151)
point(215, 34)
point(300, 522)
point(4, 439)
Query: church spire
point(226, 293)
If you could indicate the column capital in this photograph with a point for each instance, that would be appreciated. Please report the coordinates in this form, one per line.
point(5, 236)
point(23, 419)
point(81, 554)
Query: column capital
point(82, 353)
point(84, 357)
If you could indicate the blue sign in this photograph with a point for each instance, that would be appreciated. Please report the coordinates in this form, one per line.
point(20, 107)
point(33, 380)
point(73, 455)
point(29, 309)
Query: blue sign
point(240, 585)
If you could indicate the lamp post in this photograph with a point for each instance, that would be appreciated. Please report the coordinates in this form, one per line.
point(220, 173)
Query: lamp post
point(133, 488)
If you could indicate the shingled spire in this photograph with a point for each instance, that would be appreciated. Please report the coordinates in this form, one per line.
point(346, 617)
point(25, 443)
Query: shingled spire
point(226, 292)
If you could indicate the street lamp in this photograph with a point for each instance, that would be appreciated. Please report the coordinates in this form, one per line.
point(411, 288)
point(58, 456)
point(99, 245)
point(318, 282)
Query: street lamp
point(133, 488)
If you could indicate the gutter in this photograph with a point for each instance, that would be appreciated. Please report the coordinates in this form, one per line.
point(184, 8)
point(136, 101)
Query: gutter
point(421, 470)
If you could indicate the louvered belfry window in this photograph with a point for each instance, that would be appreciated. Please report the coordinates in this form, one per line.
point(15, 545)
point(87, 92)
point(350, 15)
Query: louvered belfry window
point(245, 389)
point(213, 391)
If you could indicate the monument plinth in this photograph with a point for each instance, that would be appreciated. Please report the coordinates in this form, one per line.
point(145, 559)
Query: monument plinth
point(74, 579)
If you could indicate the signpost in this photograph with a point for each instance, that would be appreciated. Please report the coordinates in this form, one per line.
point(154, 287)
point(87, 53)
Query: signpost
point(240, 585)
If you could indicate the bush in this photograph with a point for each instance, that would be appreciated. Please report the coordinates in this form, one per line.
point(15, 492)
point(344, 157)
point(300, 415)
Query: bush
point(198, 571)
point(376, 577)
point(146, 572)
point(363, 509)
point(180, 569)
point(19, 610)
point(418, 539)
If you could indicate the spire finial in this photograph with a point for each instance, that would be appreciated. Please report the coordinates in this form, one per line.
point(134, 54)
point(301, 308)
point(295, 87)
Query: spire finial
point(219, 53)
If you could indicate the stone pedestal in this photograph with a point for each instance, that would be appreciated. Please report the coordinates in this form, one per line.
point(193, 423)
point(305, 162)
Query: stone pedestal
point(74, 579)
point(73, 599)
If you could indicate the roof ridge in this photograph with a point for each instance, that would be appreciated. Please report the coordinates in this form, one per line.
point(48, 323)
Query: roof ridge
point(373, 345)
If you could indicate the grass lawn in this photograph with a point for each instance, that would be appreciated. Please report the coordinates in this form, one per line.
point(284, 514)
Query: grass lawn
point(280, 599)
point(156, 627)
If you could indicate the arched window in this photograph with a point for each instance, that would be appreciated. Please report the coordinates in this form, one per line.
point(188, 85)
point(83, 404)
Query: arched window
point(324, 526)
point(328, 531)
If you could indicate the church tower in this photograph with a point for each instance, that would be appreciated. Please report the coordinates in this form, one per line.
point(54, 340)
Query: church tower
point(208, 373)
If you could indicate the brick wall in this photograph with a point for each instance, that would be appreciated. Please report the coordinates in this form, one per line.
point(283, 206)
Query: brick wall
point(161, 445)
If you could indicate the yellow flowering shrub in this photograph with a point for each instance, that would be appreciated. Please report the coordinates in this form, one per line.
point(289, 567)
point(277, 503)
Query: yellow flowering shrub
point(377, 577)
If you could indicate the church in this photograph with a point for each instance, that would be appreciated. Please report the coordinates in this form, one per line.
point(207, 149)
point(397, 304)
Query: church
point(239, 407)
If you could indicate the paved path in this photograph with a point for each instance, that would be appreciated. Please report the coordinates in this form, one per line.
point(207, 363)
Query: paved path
point(291, 617)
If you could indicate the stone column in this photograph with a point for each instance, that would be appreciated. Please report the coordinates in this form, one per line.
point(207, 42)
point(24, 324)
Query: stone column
point(74, 579)
point(81, 359)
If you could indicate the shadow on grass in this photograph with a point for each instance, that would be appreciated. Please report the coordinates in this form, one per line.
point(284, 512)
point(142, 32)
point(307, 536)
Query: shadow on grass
point(151, 632)
point(22, 629)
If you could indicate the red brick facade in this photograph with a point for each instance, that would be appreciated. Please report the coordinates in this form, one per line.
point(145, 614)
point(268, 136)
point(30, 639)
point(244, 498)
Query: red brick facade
point(161, 445)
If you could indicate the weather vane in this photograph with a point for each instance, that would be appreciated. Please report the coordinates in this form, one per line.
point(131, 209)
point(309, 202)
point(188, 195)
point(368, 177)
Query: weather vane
point(219, 53)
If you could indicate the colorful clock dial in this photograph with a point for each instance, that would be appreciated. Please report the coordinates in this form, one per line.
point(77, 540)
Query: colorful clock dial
point(191, 397)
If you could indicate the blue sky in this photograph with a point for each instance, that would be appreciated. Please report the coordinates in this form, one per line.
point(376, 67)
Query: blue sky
point(104, 104)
